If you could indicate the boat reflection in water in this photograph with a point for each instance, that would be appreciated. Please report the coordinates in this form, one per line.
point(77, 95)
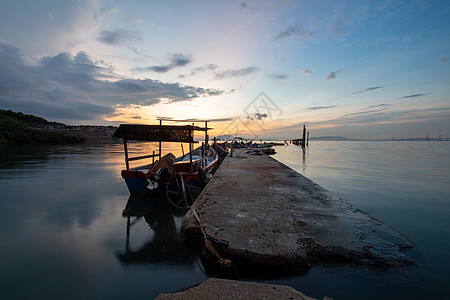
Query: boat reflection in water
point(161, 218)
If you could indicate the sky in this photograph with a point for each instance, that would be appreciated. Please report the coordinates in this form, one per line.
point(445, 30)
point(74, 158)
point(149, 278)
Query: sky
point(259, 69)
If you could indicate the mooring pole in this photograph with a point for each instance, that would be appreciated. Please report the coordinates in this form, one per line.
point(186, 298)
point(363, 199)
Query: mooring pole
point(206, 132)
point(191, 138)
point(307, 140)
point(160, 123)
point(304, 136)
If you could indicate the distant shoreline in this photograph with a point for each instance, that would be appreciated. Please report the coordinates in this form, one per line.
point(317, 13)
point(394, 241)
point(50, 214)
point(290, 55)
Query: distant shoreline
point(90, 134)
point(19, 128)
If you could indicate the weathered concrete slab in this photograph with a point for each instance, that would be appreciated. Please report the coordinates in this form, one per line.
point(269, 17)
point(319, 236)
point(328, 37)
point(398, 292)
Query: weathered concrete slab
point(274, 217)
point(230, 289)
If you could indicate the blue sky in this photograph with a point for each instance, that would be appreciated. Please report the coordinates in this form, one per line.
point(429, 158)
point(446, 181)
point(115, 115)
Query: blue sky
point(361, 69)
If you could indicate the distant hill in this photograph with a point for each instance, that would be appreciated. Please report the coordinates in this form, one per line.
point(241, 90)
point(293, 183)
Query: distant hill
point(330, 138)
point(19, 128)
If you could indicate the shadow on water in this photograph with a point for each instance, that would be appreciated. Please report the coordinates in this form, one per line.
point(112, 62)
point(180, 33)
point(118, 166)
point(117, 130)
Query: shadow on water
point(13, 155)
point(162, 219)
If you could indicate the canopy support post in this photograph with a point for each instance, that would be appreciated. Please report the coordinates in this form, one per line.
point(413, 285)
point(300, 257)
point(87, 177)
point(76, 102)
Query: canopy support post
point(160, 123)
point(126, 154)
point(190, 150)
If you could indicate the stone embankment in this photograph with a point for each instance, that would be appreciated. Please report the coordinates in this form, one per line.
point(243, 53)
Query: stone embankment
point(273, 218)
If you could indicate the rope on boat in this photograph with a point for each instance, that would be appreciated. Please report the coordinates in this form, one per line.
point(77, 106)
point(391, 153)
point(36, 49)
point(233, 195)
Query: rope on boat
point(208, 244)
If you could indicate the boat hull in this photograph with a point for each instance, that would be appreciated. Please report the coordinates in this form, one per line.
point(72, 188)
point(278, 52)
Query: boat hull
point(138, 183)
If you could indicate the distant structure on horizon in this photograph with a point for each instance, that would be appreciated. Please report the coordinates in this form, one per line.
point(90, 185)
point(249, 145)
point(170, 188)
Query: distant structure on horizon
point(303, 141)
point(426, 138)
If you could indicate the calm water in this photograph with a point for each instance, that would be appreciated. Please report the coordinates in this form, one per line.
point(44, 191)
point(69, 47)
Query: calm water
point(406, 185)
point(63, 234)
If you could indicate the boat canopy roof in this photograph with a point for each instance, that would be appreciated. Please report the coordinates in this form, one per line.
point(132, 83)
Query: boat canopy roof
point(158, 133)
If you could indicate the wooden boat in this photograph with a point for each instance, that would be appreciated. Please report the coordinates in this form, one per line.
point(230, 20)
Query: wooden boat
point(179, 179)
point(264, 148)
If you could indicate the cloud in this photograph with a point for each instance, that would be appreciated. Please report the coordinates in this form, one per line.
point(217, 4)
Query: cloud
point(367, 90)
point(367, 118)
point(202, 69)
point(278, 76)
point(107, 10)
point(385, 116)
point(176, 60)
point(332, 75)
point(147, 92)
point(195, 119)
point(205, 68)
point(157, 69)
point(66, 87)
point(221, 74)
point(180, 60)
point(320, 107)
point(306, 71)
point(236, 72)
point(118, 37)
point(379, 105)
point(365, 112)
point(294, 30)
point(50, 26)
point(257, 116)
point(415, 95)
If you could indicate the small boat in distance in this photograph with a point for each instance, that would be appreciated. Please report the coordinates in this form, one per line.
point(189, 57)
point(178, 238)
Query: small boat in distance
point(179, 179)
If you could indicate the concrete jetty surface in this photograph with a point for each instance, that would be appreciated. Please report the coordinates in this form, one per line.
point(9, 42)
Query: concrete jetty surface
point(231, 290)
point(273, 217)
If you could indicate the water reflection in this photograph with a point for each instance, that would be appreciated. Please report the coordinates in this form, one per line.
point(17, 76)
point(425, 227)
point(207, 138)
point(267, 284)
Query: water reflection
point(162, 219)
point(62, 227)
point(63, 234)
point(304, 159)
point(403, 184)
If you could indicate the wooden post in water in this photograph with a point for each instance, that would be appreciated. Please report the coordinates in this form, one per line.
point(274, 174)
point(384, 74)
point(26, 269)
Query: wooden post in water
point(160, 123)
point(206, 132)
point(304, 137)
point(307, 140)
point(190, 150)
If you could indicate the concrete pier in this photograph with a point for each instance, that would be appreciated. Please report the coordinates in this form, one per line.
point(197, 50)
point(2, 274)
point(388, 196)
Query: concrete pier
point(230, 290)
point(274, 218)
